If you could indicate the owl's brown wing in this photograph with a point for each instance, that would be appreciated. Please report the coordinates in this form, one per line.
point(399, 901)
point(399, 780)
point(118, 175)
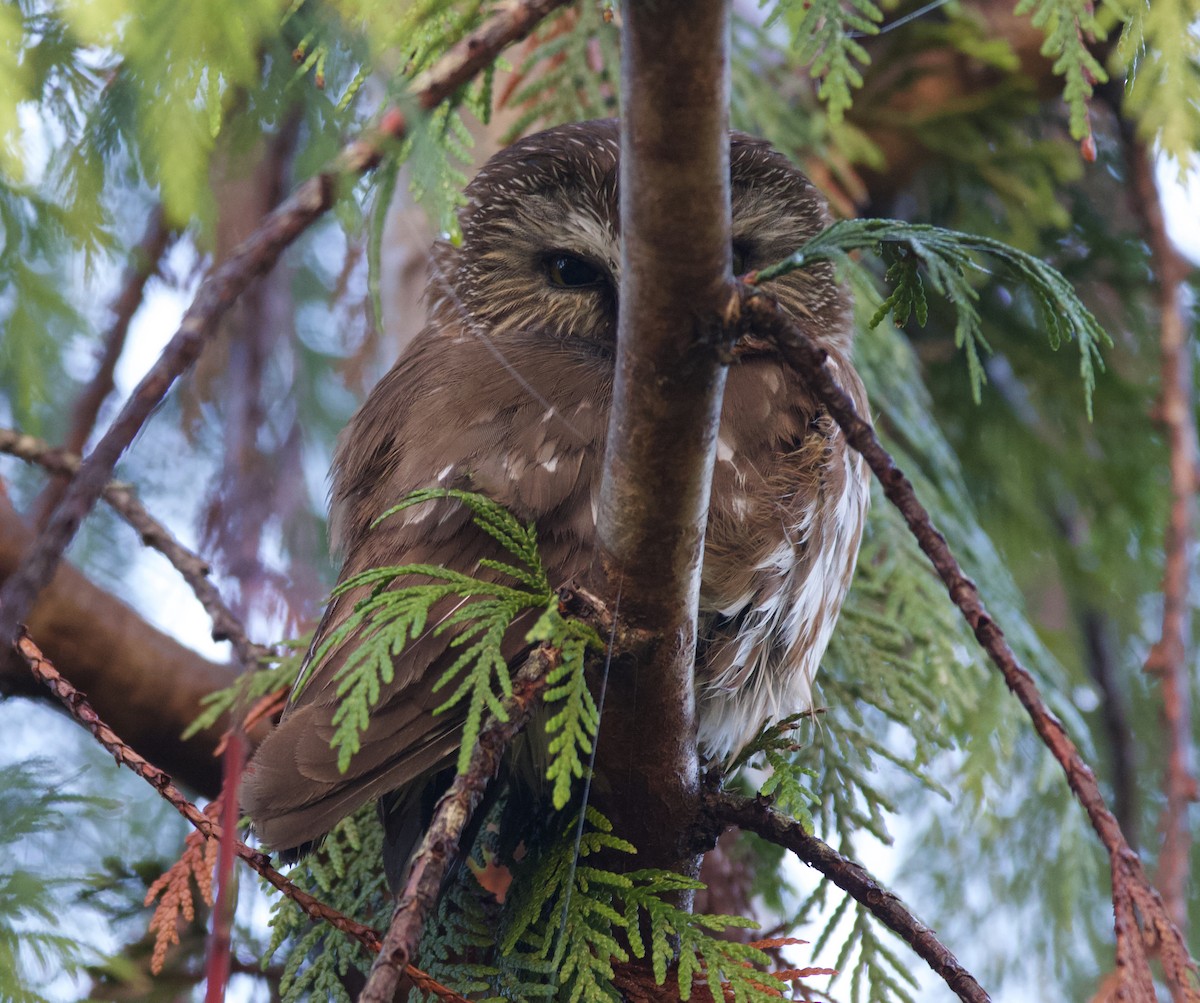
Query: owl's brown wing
point(294, 790)
point(420, 428)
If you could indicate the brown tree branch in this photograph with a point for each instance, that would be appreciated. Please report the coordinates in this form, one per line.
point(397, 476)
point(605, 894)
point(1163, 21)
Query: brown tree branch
point(79, 708)
point(439, 846)
point(1134, 897)
point(260, 475)
point(143, 263)
point(226, 626)
point(666, 403)
point(1168, 660)
point(757, 816)
point(1114, 707)
point(146, 683)
point(223, 285)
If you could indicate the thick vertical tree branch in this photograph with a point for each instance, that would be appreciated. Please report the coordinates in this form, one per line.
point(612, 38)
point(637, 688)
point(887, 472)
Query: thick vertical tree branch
point(675, 260)
point(221, 288)
point(1169, 658)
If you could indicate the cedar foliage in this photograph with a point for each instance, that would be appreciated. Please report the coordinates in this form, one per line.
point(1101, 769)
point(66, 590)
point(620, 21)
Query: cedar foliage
point(110, 108)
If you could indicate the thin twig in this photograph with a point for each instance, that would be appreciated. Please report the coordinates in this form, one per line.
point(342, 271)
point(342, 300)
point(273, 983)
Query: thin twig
point(1114, 709)
point(1168, 659)
point(219, 954)
point(143, 263)
point(439, 845)
point(1134, 897)
point(226, 626)
point(220, 289)
point(78, 707)
point(760, 818)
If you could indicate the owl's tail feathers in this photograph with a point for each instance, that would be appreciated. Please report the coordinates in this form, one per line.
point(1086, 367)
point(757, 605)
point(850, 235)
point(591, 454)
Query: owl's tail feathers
point(294, 792)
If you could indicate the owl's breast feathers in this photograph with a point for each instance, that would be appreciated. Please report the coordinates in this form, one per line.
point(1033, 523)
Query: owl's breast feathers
point(789, 500)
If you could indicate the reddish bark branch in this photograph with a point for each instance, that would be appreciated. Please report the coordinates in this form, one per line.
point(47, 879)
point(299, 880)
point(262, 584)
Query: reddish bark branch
point(79, 708)
point(1134, 897)
point(439, 846)
point(758, 817)
point(220, 289)
point(1168, 659)
point(146, 684)
point(220, 944)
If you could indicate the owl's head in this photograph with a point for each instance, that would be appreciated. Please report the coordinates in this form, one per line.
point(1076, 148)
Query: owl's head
point(540, 253)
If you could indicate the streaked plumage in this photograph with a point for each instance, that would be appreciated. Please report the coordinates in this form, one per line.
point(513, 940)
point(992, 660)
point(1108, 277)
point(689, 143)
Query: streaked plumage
point(507, 392)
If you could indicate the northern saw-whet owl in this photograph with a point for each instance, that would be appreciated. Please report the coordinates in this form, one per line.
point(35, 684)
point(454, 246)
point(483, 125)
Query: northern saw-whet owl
point(507, 392)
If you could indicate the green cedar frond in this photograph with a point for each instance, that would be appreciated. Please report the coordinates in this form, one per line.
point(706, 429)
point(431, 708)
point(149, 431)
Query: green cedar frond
point(437, 150)
point(561, 917)
point(824, 34)
point(791, 794)
point(580, 919)
point(251, 686)
point(573, 74)
point(948, 257)
point(382, 625)
point(32, 952)
point(776, 744)
point(908, 293)
point(1068, 26)
point(677, 935)
point(1160, 49)
point(344, 871)
point(572, 728)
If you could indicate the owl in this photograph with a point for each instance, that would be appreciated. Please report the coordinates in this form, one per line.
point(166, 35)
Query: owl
point(507, 392)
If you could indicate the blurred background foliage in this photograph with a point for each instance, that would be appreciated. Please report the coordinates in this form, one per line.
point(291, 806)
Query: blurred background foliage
point(118, 117)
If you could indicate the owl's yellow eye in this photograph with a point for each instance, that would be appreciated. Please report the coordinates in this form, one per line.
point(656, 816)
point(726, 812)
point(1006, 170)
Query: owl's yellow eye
point(569, 272)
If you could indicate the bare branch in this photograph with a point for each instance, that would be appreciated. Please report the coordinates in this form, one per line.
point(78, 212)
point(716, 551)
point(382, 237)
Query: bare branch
point(195, 570)
point(758, 817)
point(1114, 706)
point(439, 846)
point(147, 684)
point(221, 288)
point(1168, 659)
point(78, 707)
point(143, 263)
point(662, 431)
point(1133, 896)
